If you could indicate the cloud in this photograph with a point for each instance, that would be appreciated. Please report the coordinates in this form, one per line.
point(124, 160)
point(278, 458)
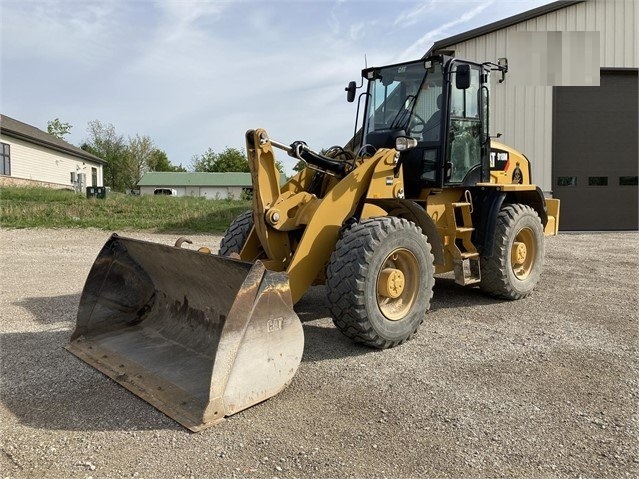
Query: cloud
point(57, 31)
point(412, 16)
point(181, 18)
point(420, 47)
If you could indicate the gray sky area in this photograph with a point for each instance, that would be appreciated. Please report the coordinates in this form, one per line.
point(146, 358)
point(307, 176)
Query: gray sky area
point(198, 74)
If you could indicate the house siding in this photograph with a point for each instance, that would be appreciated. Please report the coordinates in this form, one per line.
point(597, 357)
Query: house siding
point(40, 164)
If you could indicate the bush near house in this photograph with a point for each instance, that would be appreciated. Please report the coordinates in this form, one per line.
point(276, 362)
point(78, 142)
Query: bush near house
point(46, 208)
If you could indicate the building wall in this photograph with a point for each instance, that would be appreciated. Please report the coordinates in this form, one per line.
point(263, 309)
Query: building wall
point(149, 190)
point(523, 114)
point(221, 192)
point(37, 163)
point(209, 192)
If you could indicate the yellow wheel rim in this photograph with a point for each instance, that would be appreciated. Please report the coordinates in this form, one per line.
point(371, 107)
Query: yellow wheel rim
point(398, 284)
point(523, 253)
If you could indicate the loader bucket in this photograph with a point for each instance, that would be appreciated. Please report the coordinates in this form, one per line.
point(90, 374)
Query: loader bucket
point(198, 336)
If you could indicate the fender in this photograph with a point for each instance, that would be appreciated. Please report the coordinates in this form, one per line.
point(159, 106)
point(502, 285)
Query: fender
point(488, 207)
point(485, 220)
point(416, 213)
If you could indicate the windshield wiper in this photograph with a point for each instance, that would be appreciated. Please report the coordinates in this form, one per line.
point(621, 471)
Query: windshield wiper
point(402, 116)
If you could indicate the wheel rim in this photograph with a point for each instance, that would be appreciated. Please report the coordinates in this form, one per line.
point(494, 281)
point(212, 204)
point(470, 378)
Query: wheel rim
point(523, 253)
point(397, 284)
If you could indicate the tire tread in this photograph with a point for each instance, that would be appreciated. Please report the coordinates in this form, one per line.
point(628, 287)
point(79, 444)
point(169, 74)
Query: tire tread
point(347, 271)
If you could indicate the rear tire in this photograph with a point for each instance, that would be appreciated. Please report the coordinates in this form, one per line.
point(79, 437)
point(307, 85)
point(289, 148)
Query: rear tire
point(515, 267)
point(380, 281)
point(236, 235)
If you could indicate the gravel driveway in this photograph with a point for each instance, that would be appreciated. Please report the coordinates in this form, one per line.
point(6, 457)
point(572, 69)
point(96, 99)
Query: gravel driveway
point(542, 387)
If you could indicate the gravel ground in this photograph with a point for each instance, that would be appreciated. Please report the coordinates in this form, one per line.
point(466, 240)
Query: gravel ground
point(542, 387)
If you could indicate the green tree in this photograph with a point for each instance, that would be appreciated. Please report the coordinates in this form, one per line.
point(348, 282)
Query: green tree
point(105, 143)
point(159, 161)
point(205, 161)
point(231, 159)
point(299, 166)
point(139, 155)
point(58, 129)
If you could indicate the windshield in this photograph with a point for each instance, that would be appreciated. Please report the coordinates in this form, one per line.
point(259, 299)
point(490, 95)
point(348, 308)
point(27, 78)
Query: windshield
point(404, 97)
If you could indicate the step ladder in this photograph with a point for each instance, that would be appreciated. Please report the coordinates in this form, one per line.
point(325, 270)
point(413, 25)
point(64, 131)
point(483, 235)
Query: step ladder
point(460, 245)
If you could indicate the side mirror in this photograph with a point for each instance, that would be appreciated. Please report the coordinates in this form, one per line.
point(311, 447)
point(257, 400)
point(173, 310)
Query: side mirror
point(503, 65)
point(350, 91)
point(462, 77)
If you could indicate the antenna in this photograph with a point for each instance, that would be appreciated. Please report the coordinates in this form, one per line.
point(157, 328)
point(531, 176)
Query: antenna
point(365, 61)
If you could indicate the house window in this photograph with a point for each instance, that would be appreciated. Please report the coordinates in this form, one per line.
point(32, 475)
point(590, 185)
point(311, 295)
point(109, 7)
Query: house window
point(94, 177)
point(5, 159)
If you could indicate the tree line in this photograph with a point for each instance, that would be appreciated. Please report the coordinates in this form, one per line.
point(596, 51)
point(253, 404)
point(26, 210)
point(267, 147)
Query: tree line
point(128, 159)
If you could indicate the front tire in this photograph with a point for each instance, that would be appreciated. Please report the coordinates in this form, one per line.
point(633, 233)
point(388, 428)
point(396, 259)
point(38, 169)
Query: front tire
point(514, 269)
point(380, 281)
point(235, 237)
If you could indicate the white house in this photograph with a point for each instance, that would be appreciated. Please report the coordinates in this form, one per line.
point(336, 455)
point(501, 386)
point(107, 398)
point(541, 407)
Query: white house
point(29, 156)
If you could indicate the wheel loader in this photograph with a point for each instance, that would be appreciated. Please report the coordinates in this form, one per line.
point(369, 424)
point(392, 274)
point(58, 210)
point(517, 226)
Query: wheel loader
point(423, 190)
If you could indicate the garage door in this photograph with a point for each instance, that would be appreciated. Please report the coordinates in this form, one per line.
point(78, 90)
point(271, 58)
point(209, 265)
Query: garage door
point(595, 153)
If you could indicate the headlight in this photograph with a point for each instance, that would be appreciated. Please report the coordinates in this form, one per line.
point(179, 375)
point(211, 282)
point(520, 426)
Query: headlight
point(405, 143)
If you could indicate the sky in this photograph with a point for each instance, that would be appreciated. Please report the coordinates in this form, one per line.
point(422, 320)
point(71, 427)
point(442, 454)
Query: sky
point(194, 75)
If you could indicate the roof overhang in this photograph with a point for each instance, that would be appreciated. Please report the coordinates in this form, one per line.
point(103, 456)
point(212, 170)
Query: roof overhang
point(36, 141)
point(442, 45)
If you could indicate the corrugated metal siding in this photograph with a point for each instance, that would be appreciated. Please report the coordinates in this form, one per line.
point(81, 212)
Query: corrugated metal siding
point(34, 162)
point(223, 192)
point(523, 114)
point(209, 192)
point(616, 21)
point(150, 190)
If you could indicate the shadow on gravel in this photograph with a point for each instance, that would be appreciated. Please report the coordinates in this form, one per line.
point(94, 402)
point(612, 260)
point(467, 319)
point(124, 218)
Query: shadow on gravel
point(448, 294)
point(322, 343)
point(46, 387)
point(325, 341)
point(51, 310)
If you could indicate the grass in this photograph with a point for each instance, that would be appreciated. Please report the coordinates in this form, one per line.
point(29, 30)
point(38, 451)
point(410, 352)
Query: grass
point(46, 208)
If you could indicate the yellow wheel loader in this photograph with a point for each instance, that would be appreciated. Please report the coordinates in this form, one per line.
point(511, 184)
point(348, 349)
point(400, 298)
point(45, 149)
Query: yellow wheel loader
point(423, 191)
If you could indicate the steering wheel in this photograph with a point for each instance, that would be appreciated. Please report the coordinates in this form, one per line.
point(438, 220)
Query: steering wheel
point(417, 124)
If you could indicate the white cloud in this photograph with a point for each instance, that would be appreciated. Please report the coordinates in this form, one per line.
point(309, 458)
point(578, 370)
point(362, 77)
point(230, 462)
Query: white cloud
point(181, 17)
point(420, 47)
point(57, 31)
point(413, 15)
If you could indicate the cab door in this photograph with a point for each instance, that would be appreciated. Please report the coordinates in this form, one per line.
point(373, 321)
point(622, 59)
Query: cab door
point(465, 140)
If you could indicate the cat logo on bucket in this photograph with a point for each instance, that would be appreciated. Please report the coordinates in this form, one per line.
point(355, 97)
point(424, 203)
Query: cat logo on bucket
point(274, 325)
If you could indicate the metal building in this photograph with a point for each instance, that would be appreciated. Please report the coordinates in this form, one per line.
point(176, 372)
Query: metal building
point(582, 140)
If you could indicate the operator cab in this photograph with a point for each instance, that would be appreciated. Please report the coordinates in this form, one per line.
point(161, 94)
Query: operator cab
point(441, 102)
